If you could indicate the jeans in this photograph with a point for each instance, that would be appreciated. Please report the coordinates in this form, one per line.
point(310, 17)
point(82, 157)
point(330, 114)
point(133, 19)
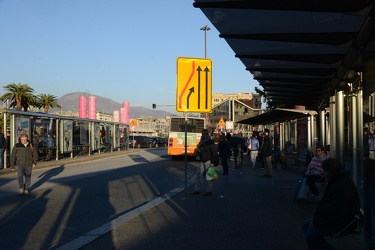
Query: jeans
point(253, 157)
point(235, 157)
point(311, 180)
point(199, 175)
point(24, 176)
point(238, 157)
point(268, 164)
point(224, 163)
point(315, 236)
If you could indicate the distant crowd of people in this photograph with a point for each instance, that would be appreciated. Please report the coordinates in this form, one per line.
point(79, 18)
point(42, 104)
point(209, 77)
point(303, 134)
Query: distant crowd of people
point(338, 203)
point(225, 145)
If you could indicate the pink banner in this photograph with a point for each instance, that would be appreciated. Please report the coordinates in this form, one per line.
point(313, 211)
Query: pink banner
point(125, 110)
point(82, 107)
point(92, 107)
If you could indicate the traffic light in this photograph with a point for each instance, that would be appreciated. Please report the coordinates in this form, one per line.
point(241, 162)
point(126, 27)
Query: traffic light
point(154, 106)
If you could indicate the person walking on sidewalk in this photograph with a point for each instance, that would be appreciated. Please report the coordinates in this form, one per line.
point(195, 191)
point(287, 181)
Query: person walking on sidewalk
point(2, 149)
point(25, 157)
point(225, 151)
point(7, 139)
point(237, 143)
point(260, 154)
point(253, 148)
point(266, 151)
point(209, 154)
point(337, 209)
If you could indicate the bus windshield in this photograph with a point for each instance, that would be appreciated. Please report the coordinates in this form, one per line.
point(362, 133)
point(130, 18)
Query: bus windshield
point(176, 140)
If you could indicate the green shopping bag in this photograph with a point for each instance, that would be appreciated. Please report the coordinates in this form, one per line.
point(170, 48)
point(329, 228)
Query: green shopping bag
point(211, 174)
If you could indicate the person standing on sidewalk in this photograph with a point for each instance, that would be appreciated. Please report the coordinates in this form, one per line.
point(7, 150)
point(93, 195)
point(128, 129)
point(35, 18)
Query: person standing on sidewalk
point(8, 149)
point(237, 143)
point(209, 154)
point(266, 151)
point(2, 148)
point(225, 151)
point(25, 157)
point(253, 148)
point(260, 157)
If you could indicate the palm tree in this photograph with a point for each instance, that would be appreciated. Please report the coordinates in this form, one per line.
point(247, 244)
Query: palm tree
point(20, 95)
point(28, 101)
point(47, 101)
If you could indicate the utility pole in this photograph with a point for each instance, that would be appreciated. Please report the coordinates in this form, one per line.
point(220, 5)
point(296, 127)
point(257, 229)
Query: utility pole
point(205, 29)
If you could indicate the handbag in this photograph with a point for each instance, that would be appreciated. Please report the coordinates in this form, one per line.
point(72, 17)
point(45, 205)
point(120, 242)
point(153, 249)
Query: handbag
point(249, 146)
point(301, 191)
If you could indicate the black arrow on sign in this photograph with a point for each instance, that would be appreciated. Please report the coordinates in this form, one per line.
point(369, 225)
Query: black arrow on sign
point(199, 86)
point(206, 70)
point(188, 97)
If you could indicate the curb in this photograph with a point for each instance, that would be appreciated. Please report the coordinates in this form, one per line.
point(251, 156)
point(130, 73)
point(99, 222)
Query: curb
point(76, 159)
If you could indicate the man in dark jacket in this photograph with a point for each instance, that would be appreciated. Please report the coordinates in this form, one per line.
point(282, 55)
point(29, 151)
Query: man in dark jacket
point(225, 152)
point(25, 157)
point(209, 154)
point(237, 144)
point(8, 149)
point(266, 152)
point(337, 209)
point(2, 149)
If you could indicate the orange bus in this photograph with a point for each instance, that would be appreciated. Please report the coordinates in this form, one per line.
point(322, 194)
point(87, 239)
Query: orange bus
point(176, 138)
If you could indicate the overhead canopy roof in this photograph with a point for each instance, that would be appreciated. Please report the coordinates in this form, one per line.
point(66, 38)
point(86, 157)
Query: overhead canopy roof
point(298, 51)
point(276, 115)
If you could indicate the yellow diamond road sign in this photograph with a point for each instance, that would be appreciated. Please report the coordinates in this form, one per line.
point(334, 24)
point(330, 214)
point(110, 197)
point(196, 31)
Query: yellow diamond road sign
point(194, 85)
point(133, 122)
point(221, 122)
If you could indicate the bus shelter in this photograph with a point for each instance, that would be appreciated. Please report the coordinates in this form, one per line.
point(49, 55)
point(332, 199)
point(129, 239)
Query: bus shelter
point(57, 136)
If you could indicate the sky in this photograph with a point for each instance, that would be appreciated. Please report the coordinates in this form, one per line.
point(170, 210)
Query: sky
point(121, 50)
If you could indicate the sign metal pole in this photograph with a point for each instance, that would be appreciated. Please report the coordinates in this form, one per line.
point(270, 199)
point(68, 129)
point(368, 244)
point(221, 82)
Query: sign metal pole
point(186, 192)
point(133, 137)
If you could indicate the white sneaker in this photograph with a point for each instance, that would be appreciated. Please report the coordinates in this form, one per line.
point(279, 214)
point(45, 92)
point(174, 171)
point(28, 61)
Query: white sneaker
point(21, 192)
point(26, 192)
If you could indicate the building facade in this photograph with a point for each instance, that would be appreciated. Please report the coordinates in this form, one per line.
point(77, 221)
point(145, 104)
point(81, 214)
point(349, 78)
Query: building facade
point(251, 99)
point(231, 111)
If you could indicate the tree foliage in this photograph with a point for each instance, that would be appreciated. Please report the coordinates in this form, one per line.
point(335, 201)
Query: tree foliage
point(47, 101)
point(265, 97)
point(20, 96)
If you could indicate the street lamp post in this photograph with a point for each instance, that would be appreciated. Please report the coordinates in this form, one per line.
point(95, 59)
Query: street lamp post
point(205, 28)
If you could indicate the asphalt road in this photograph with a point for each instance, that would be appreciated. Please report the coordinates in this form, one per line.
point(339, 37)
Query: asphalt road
point(66, 201)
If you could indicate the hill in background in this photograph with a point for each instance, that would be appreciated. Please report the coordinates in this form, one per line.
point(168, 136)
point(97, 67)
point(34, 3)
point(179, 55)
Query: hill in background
point(71, 102)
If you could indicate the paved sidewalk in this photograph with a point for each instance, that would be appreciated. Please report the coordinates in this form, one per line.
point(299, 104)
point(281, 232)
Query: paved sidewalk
point(246, 211)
